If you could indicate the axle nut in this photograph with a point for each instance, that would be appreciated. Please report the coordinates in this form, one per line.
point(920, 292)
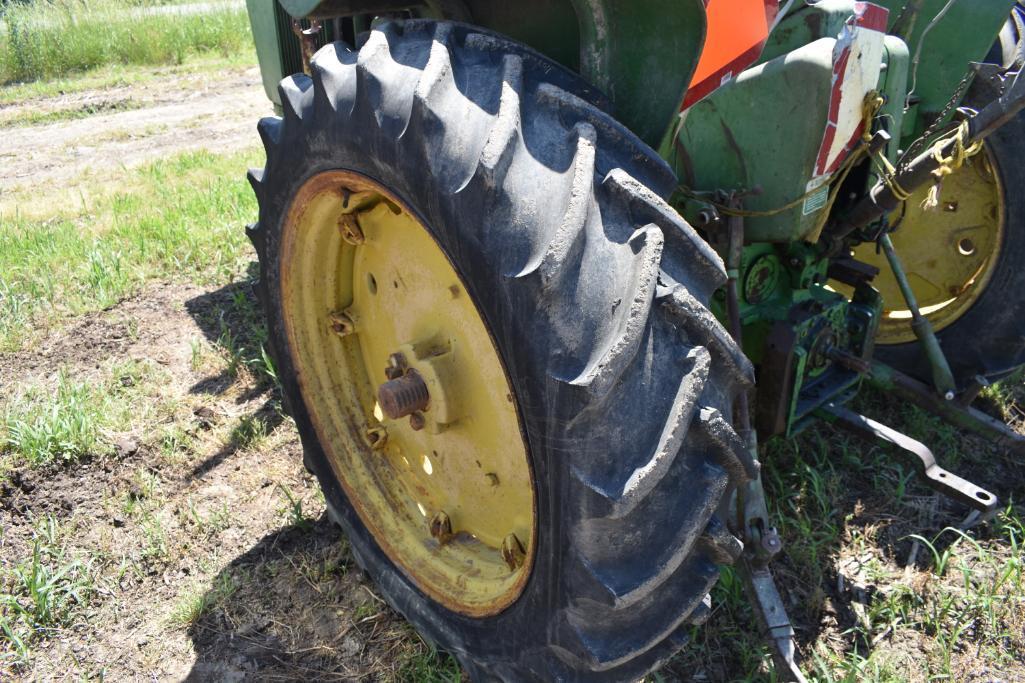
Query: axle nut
point(403, 396)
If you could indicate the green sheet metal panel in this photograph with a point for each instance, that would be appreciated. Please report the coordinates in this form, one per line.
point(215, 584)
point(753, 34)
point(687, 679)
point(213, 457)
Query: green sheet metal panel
point(763, 130)
point(268, 45)
point(643, 55)
point(965, 34)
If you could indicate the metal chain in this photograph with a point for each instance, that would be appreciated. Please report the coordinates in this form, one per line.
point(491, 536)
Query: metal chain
point(940, 121)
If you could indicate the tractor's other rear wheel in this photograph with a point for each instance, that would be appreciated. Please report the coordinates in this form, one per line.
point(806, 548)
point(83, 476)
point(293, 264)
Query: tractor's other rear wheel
point(964, 259)
point(494, 338)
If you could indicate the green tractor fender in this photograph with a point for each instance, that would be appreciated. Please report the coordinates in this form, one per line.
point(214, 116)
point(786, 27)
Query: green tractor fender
point(641, 54)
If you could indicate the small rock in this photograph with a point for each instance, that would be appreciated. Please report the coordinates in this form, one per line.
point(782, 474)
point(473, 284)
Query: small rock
point(127, 381)
point(117, 521)
point(351, 646)
point(206, 416)
point(126, 446)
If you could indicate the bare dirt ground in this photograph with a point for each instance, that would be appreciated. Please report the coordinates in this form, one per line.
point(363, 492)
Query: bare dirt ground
point(95, 131)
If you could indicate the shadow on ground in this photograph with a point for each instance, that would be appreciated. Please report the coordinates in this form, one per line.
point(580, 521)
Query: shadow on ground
point(296, 607)
point(231, 320)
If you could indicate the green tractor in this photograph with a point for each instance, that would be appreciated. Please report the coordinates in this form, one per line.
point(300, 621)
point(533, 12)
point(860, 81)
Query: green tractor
point(540, 277)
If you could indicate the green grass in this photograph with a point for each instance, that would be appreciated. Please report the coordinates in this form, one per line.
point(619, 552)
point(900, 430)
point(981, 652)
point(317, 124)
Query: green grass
point(199, 602)
point(426, 663)
point(64, 419)
point(180, 219)
point(53, 38)
point(65, 422)
point(41, 593)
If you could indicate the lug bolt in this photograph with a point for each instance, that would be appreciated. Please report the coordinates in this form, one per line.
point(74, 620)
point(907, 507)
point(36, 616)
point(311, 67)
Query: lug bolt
point(417, 421)
point(352, 233)
point(403, 396)
point(342, 324)
point(512, 552)
point(376, 437)
point(441, 527)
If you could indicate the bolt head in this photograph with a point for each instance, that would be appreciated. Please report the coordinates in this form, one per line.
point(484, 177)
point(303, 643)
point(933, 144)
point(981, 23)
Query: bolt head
point(949, 396)
point(417, 421)
point(352, 233)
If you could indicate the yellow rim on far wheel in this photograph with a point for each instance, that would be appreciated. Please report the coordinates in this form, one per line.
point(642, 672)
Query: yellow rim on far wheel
point(407, 393)
point(949, 253)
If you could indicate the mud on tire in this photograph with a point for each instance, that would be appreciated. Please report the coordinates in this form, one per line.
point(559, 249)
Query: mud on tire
point(595, 293)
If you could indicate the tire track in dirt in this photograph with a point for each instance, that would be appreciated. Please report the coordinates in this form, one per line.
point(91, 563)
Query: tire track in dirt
point(215, 111)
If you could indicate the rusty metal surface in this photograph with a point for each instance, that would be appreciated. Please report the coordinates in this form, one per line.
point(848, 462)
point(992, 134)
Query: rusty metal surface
point(403, 396)
point(307, 40)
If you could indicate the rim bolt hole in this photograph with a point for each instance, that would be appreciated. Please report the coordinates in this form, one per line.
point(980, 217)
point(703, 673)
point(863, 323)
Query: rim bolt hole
point(966, 247)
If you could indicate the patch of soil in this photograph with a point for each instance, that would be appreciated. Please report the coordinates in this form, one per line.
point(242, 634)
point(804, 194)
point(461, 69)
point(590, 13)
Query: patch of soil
point(205, 568)
point(174, 113)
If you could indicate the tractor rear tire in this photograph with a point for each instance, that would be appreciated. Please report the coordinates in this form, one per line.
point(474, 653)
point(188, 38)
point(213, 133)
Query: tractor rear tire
point(595, 294)
point(988, 340)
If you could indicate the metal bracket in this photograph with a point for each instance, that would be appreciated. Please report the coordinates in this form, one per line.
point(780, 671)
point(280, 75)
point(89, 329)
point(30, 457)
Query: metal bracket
point(761, 544)
point(947, 483)
point(772, 616)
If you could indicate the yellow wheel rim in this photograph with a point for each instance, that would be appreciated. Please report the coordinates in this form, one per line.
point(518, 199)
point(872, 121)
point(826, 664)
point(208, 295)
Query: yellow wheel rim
point(949, 253)
point(368, 296)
